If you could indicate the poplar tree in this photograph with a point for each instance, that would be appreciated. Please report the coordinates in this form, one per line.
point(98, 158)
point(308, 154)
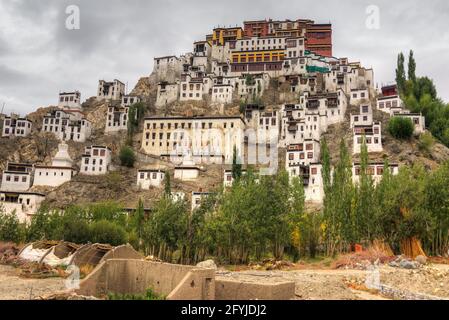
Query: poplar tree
point(411, 68)
point(400, 73)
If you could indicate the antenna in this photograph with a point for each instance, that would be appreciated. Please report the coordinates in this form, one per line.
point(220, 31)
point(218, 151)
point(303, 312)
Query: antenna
point(3, 107)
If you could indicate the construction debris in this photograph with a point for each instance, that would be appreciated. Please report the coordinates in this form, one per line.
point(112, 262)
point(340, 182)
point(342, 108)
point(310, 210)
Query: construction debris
point(8, 253)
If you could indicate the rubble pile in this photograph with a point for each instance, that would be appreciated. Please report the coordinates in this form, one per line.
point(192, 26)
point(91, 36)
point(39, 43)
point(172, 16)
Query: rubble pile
point(271, 264)
point(362, 260)
point(8, 253)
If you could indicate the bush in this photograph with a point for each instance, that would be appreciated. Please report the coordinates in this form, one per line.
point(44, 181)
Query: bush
point(127, 157)
point(401, 128)
point(10, 228)
point(426, 142)
point(107, 232)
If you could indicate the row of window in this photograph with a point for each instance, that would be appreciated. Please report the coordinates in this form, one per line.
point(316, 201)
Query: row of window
point(369, 140)
point(389, 104)
point(67, 99)
point(16, 179)
point(184, 125)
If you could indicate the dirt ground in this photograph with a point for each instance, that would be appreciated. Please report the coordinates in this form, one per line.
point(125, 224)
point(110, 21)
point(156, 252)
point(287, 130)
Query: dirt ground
point(13, 287)
point(428, 282)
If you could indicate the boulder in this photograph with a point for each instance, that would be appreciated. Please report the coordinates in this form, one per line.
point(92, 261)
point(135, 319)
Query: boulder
point(406, 264)
point(421, 259)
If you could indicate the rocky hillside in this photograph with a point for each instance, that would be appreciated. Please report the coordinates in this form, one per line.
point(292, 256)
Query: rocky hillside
point(120, 185)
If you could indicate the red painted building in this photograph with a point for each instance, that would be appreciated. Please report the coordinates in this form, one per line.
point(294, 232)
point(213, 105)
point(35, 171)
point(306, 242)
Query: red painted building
point(256, 28)
point(318, 36)
point(390, 91)
point(319, 39)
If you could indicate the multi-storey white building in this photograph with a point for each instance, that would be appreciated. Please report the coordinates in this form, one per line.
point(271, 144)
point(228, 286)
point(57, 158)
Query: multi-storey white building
point(386, 104)
point(17, 177)
point(213, 136)
point(60, 172)
point(222, 93)
point(117, 119)
point(67, 125)
point(23, 204)
point(167, 93)
point(128, 100)
point(96, 160)
point(14, 126)
point(147, 178)
point(113, 90)
point(364, 118)
point(374, 169)
point(359, 96)
point(372, 135)
point(70, 100)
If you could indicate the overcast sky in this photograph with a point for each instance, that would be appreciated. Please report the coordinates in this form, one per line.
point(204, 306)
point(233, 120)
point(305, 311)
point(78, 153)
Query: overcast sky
point(39, 56)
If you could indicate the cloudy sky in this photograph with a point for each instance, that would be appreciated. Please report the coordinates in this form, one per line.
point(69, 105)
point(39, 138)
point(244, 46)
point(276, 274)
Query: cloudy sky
point(39, 56)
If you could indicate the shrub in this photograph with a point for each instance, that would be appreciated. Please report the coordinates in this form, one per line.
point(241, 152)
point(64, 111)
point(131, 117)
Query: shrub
point(127, 157)
point(107, 232)
point(401, 128)
point(10, 228)
point(426, 142)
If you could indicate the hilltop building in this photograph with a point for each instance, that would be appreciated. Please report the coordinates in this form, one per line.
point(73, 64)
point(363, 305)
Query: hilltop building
point(147, 178)
point(96, 160)
point(70, 100)
point(67, 125)
point(17, 177)
point(113, 90)
point(15, 126)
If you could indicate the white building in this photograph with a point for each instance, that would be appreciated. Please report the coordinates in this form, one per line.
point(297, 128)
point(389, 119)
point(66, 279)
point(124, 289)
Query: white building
point(372, 135)
point(364, 118)
point(374, 169)
point(386, 104)
point(187, 171)
point(96, 160)
point(60, 172)
point(70, 100)
point(150, 178)
point(129, 100)
point(167, 93)
point(222, 93)
point(114, 90)
point(198, 198)
point(117, 119)
point(17, 177)
point(14, 126)
point(359, 96)
point(228, 180)
point(23, 204)
point(200, 137)
point(67, 125)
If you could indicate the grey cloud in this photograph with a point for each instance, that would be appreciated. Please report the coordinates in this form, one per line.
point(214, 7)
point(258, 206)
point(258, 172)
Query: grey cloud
point(120, 38)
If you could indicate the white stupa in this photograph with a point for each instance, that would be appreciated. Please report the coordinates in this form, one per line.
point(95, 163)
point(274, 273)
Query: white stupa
point(62, 158)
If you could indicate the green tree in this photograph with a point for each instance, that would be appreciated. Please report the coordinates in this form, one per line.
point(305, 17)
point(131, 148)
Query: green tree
point(401, 128)
point(167, 185)
point(411, 67)
point(127, 157)
point(400, 73)
point(236, 165)
point(107, 232)
point(10, 228)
